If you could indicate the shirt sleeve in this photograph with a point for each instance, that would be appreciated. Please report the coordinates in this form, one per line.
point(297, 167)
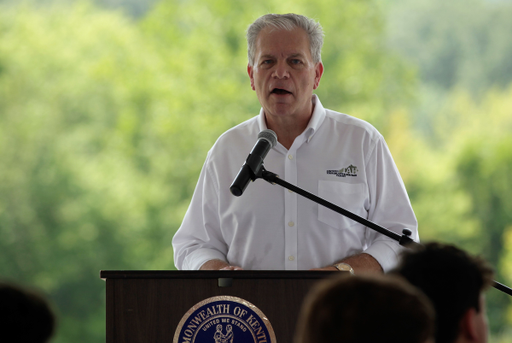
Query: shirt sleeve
point(390, 206)
point(199, 238)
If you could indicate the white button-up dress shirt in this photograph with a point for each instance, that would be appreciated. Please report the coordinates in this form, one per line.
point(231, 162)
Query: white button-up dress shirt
point(340, 158)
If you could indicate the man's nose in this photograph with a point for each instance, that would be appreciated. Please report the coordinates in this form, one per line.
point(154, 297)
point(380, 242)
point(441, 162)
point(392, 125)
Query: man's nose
point(281, 70)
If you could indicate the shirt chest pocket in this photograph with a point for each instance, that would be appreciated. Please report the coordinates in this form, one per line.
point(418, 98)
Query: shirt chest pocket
point(349, 196)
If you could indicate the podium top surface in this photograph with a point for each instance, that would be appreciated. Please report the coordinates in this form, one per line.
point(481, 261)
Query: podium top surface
point(214, 274)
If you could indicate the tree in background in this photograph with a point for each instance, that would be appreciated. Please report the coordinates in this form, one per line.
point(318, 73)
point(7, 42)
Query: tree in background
point(484, 166)
point(460, 186)
point(457, 164)
point(89, 177)
point(455, 43)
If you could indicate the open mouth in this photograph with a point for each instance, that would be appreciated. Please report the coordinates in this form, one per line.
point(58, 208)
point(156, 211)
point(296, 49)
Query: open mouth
point(280, 91)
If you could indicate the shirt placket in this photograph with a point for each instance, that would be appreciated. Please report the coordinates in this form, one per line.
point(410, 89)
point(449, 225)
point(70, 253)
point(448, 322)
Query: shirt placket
point(290, 213)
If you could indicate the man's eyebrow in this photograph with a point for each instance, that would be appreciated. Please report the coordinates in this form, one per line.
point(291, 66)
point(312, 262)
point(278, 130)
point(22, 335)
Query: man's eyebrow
point(266, 56)
point(297, 54)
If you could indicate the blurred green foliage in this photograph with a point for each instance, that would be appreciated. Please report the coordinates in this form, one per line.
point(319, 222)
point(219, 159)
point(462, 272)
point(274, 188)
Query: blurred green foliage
point(457, 42)
point(460, 187)
point(105, 121)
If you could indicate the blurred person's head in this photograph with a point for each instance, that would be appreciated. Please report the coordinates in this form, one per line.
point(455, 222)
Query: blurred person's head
point(365, 308)
point(25, 315)
point(455, 283)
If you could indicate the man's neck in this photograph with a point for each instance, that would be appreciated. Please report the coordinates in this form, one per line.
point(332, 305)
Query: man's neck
point(287, 129)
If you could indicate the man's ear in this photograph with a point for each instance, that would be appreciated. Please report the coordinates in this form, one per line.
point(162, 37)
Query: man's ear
point(468, 325)
point(250, 71)
point(319, 71)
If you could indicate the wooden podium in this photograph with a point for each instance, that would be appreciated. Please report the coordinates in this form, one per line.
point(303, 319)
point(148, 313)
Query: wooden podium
point(147, 306)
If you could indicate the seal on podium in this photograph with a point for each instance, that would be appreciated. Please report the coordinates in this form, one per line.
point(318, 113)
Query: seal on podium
point(224, 319)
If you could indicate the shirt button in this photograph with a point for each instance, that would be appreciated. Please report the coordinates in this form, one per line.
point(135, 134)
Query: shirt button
point(291, 258)
point(291, 224)
point(290, 157)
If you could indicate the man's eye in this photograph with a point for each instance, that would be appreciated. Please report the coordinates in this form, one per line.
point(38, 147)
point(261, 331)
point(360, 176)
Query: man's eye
point(295, 61)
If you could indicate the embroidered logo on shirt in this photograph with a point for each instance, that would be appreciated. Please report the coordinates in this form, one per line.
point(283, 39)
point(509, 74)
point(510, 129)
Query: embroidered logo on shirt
point(344, 172)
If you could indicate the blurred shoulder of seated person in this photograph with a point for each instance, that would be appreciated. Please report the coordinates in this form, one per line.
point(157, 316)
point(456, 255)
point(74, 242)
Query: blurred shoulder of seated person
point(455, 282)
point(25, 315)
point(365, 308)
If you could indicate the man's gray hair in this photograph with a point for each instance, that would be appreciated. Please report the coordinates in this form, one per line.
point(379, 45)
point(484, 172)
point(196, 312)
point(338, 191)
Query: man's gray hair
point(288, 22)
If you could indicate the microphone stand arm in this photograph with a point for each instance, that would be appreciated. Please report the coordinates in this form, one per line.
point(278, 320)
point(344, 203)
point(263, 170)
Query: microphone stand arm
point(404, 239)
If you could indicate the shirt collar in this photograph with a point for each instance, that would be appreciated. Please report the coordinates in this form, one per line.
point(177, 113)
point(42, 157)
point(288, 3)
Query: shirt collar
point(317, 118)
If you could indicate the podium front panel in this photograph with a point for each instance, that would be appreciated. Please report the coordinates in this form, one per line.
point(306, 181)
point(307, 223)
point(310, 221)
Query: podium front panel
point(147, 306)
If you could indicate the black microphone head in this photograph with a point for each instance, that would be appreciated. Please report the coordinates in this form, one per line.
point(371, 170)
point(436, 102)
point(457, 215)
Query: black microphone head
point(270, 136)
point(267, 139)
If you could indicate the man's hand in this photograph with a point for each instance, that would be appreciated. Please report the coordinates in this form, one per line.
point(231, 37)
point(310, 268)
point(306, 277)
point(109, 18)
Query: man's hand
point(361, 263)
point(218, 265)
point(232, 268)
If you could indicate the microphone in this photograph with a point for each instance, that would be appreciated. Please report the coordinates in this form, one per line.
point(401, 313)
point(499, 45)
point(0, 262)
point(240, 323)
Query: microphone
point(267, 139)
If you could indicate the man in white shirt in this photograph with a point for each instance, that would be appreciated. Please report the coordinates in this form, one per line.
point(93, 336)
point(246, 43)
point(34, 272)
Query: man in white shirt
point(342, 159)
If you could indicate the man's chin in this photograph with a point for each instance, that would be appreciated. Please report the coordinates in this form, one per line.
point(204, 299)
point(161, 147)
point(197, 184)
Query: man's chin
point(280, 110)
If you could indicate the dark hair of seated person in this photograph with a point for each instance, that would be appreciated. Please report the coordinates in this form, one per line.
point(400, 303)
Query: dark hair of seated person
point(365, 309)
point(452, 279)
point(25, 315)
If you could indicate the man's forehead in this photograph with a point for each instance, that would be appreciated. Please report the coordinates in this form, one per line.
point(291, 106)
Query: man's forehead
point(272, 41)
